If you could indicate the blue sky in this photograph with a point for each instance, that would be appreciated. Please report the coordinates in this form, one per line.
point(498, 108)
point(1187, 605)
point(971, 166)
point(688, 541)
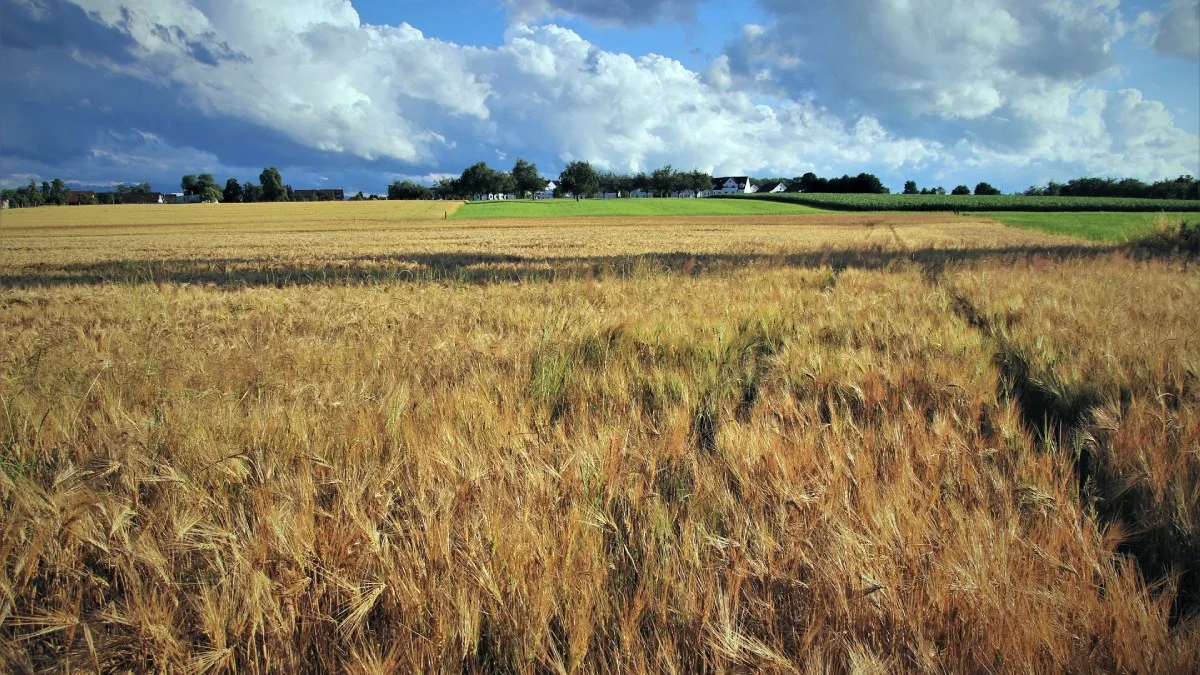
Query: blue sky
point(356, 94)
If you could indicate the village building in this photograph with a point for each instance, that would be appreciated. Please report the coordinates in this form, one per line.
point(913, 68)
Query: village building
point(76, 197)
point(323, 195)
point(732, 185)
point(140, 198)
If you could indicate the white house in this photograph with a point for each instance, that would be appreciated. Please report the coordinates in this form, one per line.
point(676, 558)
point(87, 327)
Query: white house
point(732, 184)
point(782, 187)
point(547, 192)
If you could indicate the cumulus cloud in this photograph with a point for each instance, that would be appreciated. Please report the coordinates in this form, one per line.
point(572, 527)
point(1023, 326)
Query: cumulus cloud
point(886, 86)
point(1008, 79)
point(610, 12)
point(636, 113)
point(308, 69)
point(1179, 30)
point(313, 73)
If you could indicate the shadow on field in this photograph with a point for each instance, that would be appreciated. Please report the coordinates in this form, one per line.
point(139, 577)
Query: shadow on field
point(487, 268)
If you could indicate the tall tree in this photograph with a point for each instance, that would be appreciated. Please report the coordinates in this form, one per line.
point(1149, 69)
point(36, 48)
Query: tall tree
point(190, 185)
point(810, 182)
point(252, 192)
point(527, 179)
point(447, 188)
point(641, 182)
point(502, 183)
point(205, 181)
point(985, 189)
point(59, 194)
point(961, 190)
point(233, 191)
point(478, 179)
point(662, 181)
point(406, 189)
point(273, 189)
point(910, 188)
point(580, 179)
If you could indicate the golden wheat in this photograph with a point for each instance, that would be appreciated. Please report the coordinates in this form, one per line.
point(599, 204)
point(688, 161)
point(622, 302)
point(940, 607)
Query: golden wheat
point(786, 447)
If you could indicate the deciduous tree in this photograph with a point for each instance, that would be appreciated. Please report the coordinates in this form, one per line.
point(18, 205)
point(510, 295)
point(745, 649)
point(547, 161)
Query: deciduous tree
point(526, 178)
point(233, 191)
point(580, 179)
point(273, 189)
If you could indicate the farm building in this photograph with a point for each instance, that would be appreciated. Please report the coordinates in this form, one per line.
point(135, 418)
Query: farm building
point(140, 198)
point(732, 184)
point(81, 197)
point(180, 198)
point(782, 187)
point(547, 192)
point(330, 195)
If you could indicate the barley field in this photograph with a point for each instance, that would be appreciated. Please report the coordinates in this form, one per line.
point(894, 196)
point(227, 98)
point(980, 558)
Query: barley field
point(364, 438)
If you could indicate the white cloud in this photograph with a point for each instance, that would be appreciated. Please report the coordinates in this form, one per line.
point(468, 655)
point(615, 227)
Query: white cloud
point(997, 79)
point(1179, 30)
point(307, 69)
point(314, 73)
point(860, 85)
point(635, 114)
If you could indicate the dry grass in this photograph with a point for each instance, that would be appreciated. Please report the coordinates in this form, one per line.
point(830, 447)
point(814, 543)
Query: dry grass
point(306, 249)
point(222, 218)
point(766, 454)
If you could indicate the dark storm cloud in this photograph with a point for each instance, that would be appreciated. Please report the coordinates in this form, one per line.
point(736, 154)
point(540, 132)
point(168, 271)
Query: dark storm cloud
point(58, 24)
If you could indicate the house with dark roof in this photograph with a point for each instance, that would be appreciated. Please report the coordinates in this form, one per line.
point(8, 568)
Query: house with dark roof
point(732, 185)
point(330, 195)
point(140, 198)
point(75, 197)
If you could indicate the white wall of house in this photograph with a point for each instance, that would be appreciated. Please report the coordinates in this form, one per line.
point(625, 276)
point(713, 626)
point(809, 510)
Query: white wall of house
point(733, 184)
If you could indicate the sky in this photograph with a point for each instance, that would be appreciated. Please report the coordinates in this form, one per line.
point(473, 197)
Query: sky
point(358, 94)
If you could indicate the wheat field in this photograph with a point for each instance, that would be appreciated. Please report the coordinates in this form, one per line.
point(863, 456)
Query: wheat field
point(327, 440)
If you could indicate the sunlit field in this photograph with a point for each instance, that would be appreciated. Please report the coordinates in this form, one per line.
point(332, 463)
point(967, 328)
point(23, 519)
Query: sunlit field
point(570, 208)
point(325, 438)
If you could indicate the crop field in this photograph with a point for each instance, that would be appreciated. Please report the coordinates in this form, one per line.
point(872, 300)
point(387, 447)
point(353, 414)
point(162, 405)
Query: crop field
point(973, 203)
point(569, 208)
point(1097, 226)
point(361, 440)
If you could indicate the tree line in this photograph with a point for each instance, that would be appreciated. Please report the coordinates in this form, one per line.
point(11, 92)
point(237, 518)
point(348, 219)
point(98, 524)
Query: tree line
point(269, 188)
point(50, 193)
point(579, 179)
point(1183, 187)
point(981, 188)
point(56, 193)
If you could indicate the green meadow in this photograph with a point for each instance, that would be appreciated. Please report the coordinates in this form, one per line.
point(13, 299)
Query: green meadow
point(566, 208)
point(1096, 225)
